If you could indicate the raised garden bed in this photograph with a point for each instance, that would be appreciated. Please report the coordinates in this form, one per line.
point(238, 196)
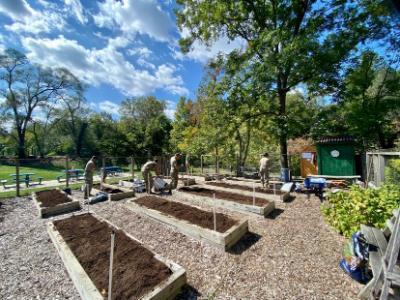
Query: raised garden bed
point(226, 199)
point(114, 192)
point(192, 221)
point(83, 243)
point(246, 188)
point(54, 202)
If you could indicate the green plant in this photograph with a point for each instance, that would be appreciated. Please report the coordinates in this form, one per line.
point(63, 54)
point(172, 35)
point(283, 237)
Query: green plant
point(392, 172)
point(347, 210)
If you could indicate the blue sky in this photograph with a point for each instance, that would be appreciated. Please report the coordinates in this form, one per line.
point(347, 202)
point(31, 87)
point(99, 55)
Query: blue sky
point(119, 48)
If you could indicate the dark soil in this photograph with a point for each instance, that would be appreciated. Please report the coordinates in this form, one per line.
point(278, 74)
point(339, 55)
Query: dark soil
point(52, 198)
point(135, 270)
point(181, 211)
point(244, 188)
point(224, 195)
point(107, 189)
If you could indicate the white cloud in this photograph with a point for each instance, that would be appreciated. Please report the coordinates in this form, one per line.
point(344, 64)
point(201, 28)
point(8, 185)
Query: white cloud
point(135, 16)
point(107, 65)
point(143, 52)
point(170, 110)
point(77, 10)
point(26, 19)
point(16, 8)
point(109, 107)
point(203, 53)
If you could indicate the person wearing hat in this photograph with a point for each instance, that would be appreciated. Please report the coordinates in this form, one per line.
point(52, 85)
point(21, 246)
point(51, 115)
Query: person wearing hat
point(89, 170)
point(264, 169)
point(146, 173)
point(174, 172)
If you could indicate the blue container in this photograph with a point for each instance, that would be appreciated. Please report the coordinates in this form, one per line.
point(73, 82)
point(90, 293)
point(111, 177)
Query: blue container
point(285, 174)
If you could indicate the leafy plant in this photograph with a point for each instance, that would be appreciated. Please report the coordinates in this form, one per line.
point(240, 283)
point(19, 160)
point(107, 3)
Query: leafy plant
point(392, 172)
point(347, 210)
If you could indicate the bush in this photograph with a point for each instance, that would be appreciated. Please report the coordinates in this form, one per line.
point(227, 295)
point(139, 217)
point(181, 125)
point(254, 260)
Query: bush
point(392, 172)
point(347, 210)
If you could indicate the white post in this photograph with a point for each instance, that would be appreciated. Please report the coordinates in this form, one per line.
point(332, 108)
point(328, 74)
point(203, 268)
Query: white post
point(110, 271)
point(214, 214)
point(254, 195)
point(148, 183)
point(88, 196)
point(274, 188)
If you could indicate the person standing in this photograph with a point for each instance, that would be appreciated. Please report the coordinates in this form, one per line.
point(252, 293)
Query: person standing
point(174, 172)
point(264, 169)
point(146, 173)
point(89, 170)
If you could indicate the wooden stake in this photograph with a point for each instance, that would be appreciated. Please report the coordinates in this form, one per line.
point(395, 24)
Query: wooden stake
point(110, 270)
point(214, 214)
point(254, 195)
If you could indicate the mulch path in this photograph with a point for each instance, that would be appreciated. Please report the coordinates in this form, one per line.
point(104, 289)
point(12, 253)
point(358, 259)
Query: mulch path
point(291, 254)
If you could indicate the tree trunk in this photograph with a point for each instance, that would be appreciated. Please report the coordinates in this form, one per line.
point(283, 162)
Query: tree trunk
point(283, 132)
point(21, 145)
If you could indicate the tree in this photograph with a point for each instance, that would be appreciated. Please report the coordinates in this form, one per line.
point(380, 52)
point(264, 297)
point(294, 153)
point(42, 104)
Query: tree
point(370, 102)
point(72, 119)
point(288, 43)
point(146, 125)
point(27, 88)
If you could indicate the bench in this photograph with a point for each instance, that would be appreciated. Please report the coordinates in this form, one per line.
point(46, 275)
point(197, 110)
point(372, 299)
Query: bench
point(3, 182)
point(379, 239)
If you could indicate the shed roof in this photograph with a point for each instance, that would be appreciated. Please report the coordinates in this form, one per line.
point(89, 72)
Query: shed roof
point(335, 139)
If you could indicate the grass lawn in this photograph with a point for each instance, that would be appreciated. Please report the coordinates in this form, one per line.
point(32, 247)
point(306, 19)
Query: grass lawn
point(73, 186)
point(48, 173)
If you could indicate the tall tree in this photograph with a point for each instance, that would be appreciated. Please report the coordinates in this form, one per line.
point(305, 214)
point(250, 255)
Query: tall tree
point(27, 88)
point(370, 102)
point(288, 42)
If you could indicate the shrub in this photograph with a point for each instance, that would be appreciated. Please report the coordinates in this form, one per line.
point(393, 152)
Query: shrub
point(347, 210)
point(392, 172)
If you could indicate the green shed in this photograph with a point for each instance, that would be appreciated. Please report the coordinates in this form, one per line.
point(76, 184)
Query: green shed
point(336, 156)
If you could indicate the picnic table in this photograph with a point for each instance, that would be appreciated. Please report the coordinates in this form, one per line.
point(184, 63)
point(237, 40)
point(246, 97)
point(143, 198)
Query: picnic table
point(112, 170)
point(72, 173)
point(25, 176)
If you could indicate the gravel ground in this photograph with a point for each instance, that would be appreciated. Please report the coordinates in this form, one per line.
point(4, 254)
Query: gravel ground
point(292, 254)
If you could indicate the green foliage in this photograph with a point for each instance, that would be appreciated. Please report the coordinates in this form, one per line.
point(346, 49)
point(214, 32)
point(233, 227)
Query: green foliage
point(347, 210)
point(392, 172)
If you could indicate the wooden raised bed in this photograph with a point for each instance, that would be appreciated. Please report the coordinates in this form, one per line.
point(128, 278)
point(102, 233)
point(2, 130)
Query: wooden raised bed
point(192, 221)
point(138, 272)
point(226, 199)
point(248, 190)
point(114, 192)
point(54, 202)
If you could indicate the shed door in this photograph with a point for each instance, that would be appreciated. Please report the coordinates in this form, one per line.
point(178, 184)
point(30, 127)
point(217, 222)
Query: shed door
point(336, 160)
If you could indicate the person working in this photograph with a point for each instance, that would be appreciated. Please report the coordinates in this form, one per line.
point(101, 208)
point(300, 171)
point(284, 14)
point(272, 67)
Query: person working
point(174, 172)
point(89, 170)
point(264, 169)
point(146, 173)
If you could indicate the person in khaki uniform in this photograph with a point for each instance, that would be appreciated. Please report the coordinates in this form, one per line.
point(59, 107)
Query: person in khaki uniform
point(174, 172)
point(264, 169)
point(146, 173)
point(89, 170)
